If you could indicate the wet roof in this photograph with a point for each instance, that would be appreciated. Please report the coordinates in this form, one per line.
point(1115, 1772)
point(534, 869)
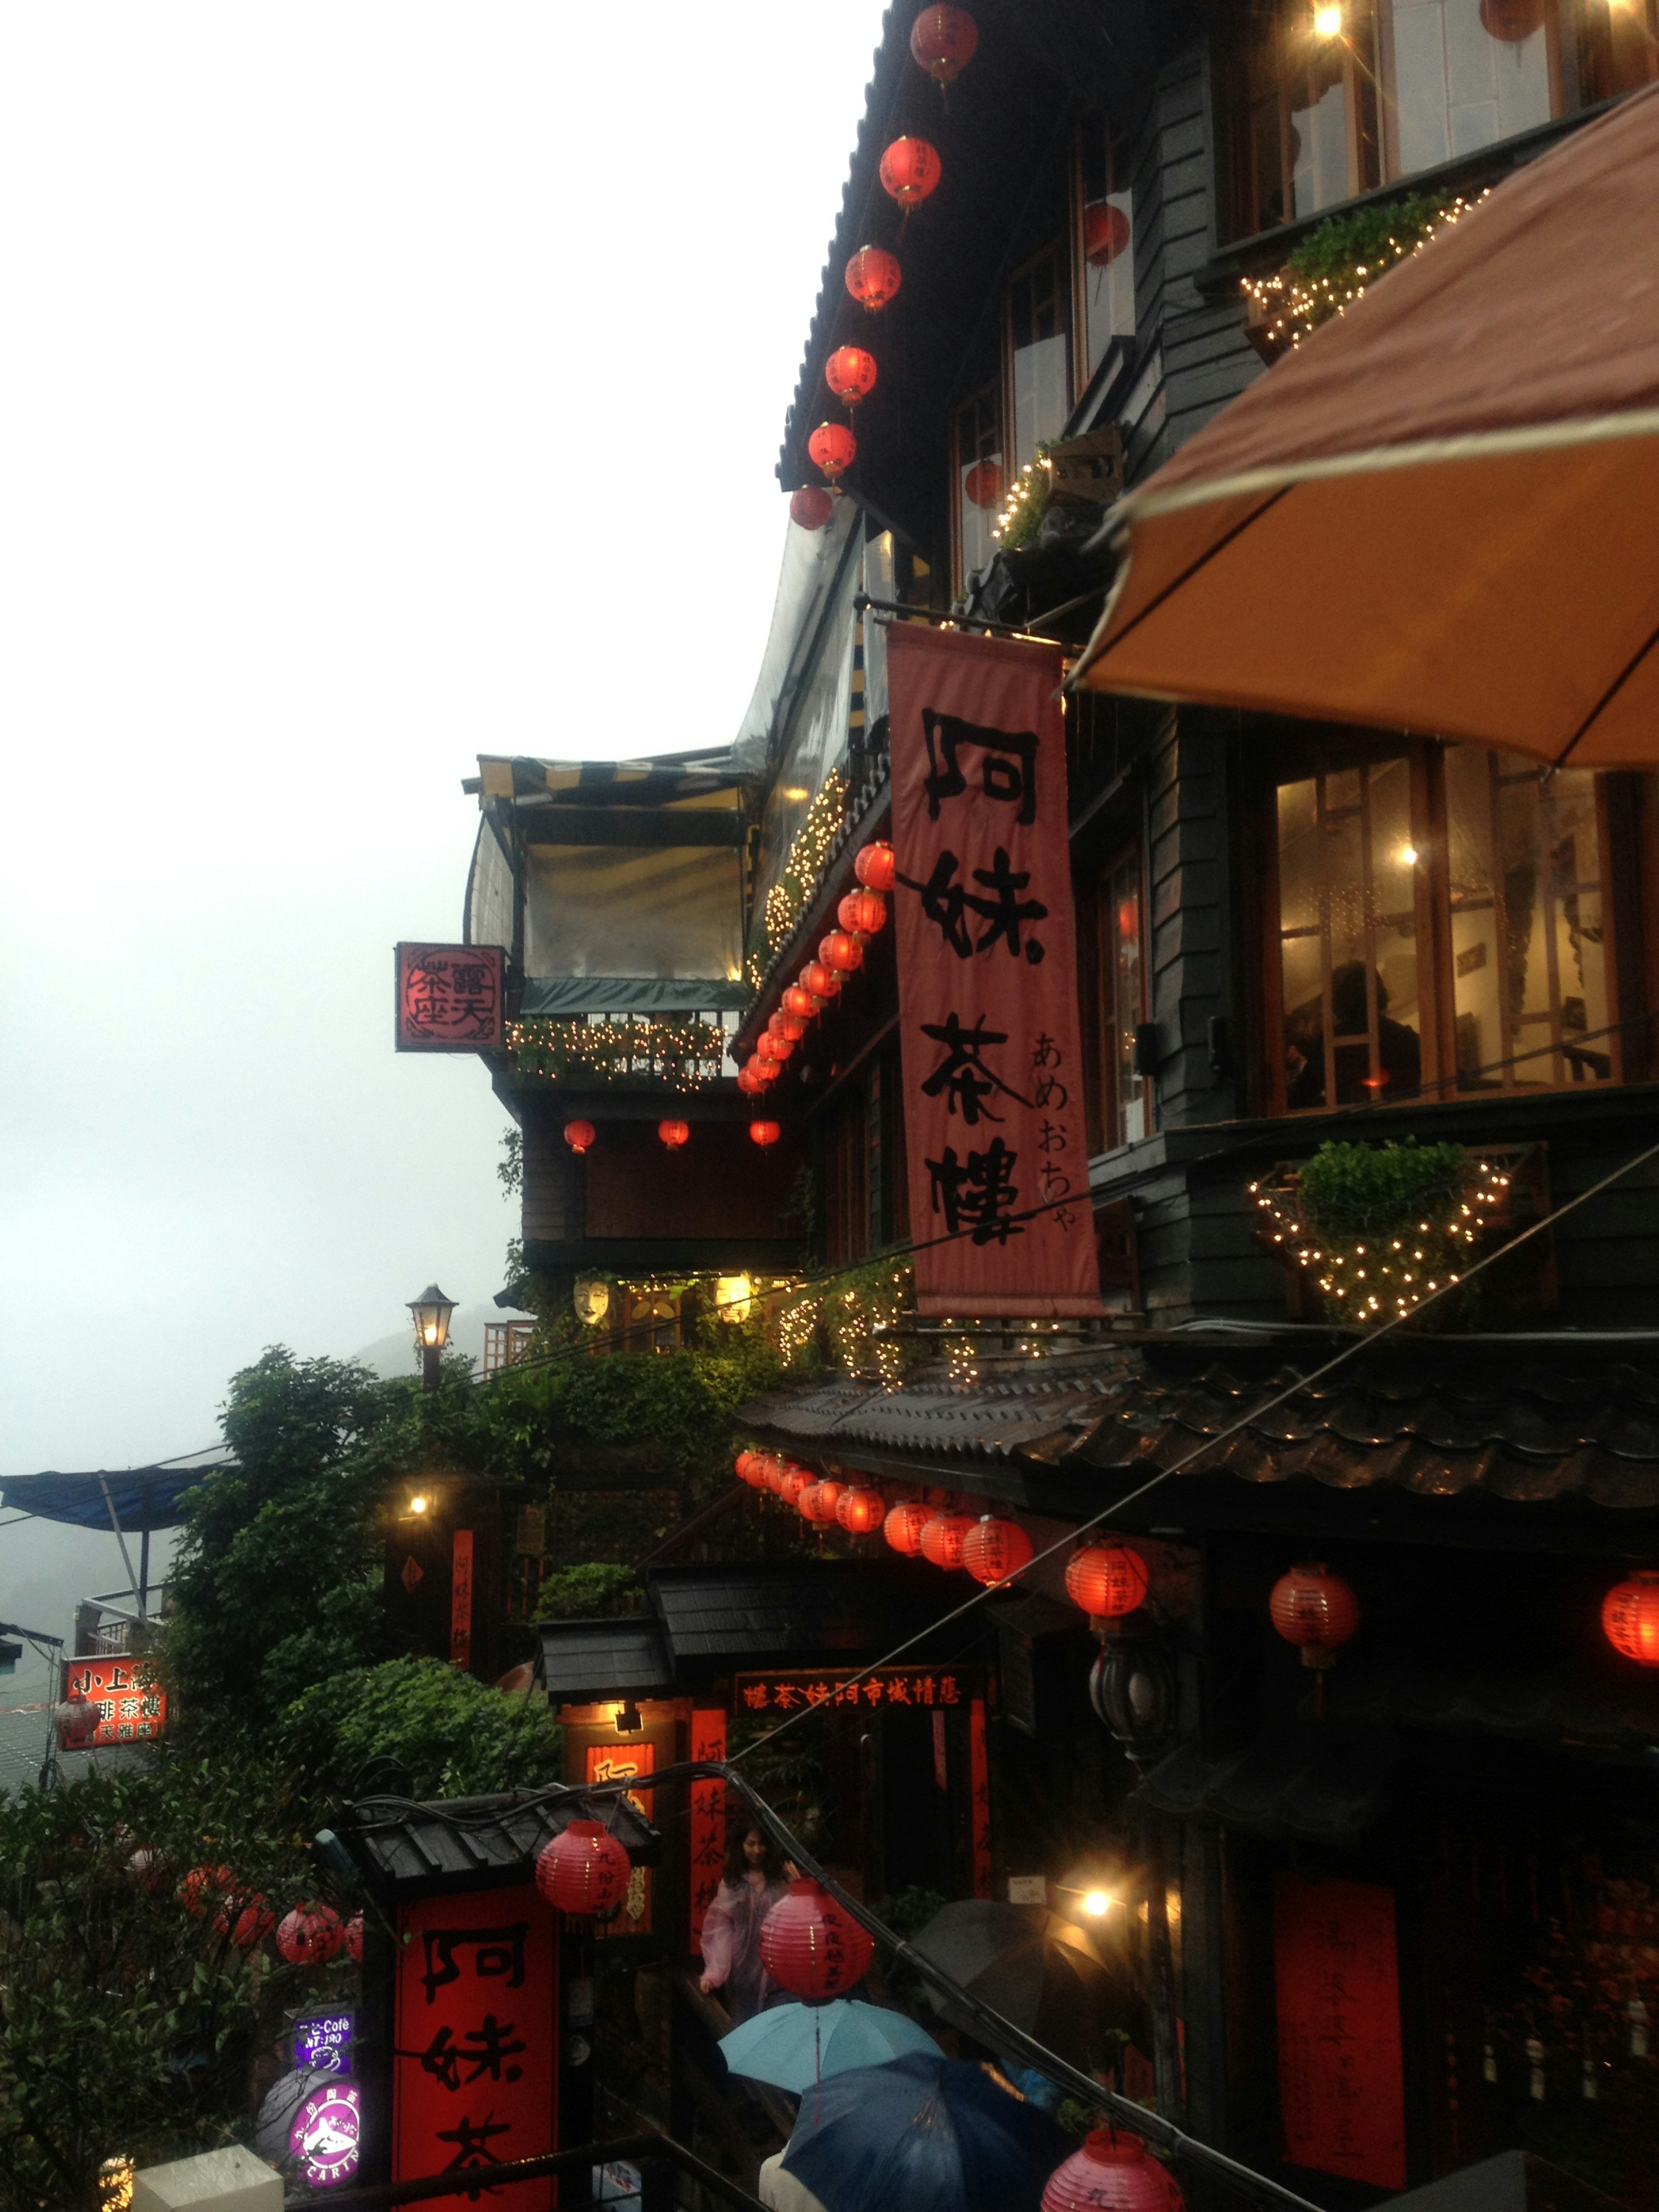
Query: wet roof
point(715, 1614)
point(426, 1849)
point(581, 1660)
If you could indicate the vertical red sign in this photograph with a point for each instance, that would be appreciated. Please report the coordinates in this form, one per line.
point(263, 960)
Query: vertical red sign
point(979, 1779)
point(706, 1843)
point(621, 1762)
point(460, 1600)
point(987, 983)
point(1341, 2087)
point(477, 2043)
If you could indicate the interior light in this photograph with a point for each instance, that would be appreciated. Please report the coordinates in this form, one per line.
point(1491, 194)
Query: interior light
point(628, 1719)
point(418, 1503)
point(1408, 856)
point(1327, 22)
point(1096, 1903)
point(797, 791)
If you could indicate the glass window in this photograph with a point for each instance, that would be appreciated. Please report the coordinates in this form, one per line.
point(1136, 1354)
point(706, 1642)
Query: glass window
point(1038, 335)
point(1615, 46)
point(1458, 74)
point(1123, 996)
point(980, 479)
point(1106, 243)
point(1311, 93)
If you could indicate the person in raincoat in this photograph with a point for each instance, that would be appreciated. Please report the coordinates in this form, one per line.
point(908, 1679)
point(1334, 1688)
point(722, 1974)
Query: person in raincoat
point(756, 1878)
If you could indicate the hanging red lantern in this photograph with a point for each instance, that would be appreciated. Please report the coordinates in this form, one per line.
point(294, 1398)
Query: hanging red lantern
point(995, 1548)
point(310, 1936)
point(1112, 2171)
point(1630, 1616)
point(842, 952)
point(674, 1133)
point(861, 1511)
point(354, 1935)
point(834, 448)
point(1316, 1610)
point(75, 1723)
point(201, 1885)
point(943, 40)
point(1105, 233)
point(584, 1870)
point(796, 1479)
point(943, 1538)
point(850, 374)
point(245, 1920)
point(862, 914)
point(1108, 1580)
point(811, 1946)
point(821, 980)
point(764, 1132)
point(1511, 21)
point(578, 1135)
point(817, 1502)
point(748, 1082)
point(909, 172)
point(875, 867)
point(800, 1003)
point(873, 276)
point(777, 1050)
point(776, 1468)
point(790, 1027)
point(743, 1465)
point(983, 484)
point(903, 1526)
point(810, 507)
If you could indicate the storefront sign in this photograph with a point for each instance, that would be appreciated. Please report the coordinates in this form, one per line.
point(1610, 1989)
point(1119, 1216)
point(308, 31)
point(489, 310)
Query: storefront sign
point(887, 1686)
point(476, 2042)
point(992, 1068)
point(707, 1835)
point(1340, 2078)
point(323, 2140)
point(978, 1781)
point(449, 998)
point(460, 1600)
point(130, 1711)
point(323, 2045)
point(621, 1762)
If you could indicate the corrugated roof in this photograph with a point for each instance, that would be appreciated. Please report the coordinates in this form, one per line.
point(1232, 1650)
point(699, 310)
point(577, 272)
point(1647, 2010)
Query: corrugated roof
point(717, 1613)
point(581, 1660)
point(412, 1850)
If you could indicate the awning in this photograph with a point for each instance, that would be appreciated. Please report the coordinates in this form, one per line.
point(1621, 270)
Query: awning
point(140, 1498)
point(1438, 515)
point(585, 1662)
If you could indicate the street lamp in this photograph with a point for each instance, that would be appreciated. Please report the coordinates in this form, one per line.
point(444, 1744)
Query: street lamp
point(431, 1310)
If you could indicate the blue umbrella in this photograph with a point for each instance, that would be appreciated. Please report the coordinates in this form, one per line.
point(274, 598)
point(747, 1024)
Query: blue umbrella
point(922, 2135)
point(795, 2045)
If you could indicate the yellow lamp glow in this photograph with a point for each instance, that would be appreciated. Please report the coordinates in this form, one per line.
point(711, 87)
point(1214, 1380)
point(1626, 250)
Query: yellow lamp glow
point(1096, 1903)
point(734, 1296)
point(418, 1503)
point(1327, 22)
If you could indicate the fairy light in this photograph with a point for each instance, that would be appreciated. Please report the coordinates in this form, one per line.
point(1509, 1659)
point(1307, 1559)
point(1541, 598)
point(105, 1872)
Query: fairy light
point(806, 859)
point(684, 1055)
point(1380, 1284)
point(1025, 505)
point(1290, 307)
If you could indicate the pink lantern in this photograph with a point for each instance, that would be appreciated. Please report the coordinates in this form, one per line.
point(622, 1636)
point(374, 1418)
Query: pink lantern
point(584, 1870)
point(811, 1946)
point(310, 1936)
point(1112, 2172)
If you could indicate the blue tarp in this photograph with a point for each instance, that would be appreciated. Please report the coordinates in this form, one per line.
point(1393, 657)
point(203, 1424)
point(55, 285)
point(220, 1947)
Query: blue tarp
point(142, 1496)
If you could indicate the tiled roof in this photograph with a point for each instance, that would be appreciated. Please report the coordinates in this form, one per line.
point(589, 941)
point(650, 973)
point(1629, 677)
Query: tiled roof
point(579, 1660)
point(476, 1843)
point(1028, 1416)
point(713, 1613)
point(1535, 1705)
point(1324, 1784)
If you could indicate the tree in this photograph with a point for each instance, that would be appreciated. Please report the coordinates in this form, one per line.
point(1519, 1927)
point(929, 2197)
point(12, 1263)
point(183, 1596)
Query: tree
point(420, 1728)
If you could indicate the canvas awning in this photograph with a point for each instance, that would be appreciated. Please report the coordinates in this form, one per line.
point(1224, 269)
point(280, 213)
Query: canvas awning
point(1438, 514)
point(132, 1499)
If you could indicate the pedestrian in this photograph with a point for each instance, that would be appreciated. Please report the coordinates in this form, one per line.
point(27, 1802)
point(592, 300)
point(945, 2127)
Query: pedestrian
point(756, 1878)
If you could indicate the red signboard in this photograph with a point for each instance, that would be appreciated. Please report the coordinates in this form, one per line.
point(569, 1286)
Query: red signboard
point(620, 1762)
point(477, 2043)
point(460, 1600)
point(450, 998)
point(993, 1109)
point(705, 1842)
point(884, 1685)
point(129, 1711)
point(979, 1777)
point(1342, 2085)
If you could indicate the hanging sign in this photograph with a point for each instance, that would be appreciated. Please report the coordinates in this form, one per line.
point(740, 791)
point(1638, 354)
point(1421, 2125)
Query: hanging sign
point(323, 2140)
point(987, 985)
point(460, 1600)
point(450, 998)
point(885, 1685)
point(1341, 2087)
point(323, 2045)
point(707, 1835)
point(130, 1710)
point(979, 1782)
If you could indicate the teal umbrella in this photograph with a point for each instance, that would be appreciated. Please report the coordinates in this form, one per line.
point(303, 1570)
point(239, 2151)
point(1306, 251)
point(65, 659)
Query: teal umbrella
point(793, 2045)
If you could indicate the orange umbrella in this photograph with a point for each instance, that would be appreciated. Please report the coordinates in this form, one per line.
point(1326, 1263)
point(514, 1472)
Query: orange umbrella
point(1442, 513)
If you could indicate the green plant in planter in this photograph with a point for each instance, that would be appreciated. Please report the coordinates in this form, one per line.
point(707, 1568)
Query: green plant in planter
point(1378, 1228)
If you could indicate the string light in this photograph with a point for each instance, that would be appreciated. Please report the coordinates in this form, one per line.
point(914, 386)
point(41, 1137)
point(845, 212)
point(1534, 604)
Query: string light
point(858, 1314)
point(1025, 505)
point(685, 1056)
point(1384, 1283)
point(1292, 306)
point(805, 863)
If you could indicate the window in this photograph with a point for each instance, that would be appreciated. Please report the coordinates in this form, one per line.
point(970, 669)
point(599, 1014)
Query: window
point(980, 478)
point(1311, 99)
point(1038, 342)
point(1105, 247)
point(1123, 1112)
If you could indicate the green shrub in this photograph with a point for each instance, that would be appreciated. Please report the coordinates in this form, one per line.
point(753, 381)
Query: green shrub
point(419, 1728)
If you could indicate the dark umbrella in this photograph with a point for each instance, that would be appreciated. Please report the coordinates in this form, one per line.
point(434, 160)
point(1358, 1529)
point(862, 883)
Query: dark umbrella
point(1035, 1969)
point(922, 2135)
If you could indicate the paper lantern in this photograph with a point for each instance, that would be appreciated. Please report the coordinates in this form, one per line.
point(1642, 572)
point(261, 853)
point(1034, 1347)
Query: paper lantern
point(875, 867)
point(995, 1548)
point(795, 1479)
point(862, 914)
point(354, 1937)
point(1630, 1616)
point(774, 1048)
point(201, 1885)
point(943, 40)
point(834, 448)
point(1113, 2171)
point(818, 1502)
point(983, 484)
point(909, 172)
point(874, 277)
point(821, 980)
point(861, 1511)
point(1108, 1580)
point(811, 1946)
point(749, 1083)
point(578, 1135)
point(1316, 1610)
point(584, 1870)
point(1511, 21)
point(310, 1936)
point(746, 1466)
point(943, 1538)
point(841, 952)
point(903, 1526)
point(764, 1132)
point(776, 1469)
point(245, 1920)
point(850, 374)
point(674, 1133)
point(74, 1722)
point(812, 507)
point(1105, 233)
point(801, 1002)
point(790, 1027)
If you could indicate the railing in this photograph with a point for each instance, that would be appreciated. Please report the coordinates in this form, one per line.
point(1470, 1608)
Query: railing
point(683, 1051)
point(112, 1627)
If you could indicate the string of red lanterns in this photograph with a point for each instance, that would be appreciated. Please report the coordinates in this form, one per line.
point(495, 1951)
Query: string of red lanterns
point(911, 171)
point(1108, 1580)
point(861, 1512)
point(903, 1526)
point(943, 1538)
point(875, 866)
point(995, 1549)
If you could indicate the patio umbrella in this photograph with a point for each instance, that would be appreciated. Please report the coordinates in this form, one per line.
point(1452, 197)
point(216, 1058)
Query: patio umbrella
point(922, 2135)
point(1437, 515)
point(1038, 1970)
point(793, 2045)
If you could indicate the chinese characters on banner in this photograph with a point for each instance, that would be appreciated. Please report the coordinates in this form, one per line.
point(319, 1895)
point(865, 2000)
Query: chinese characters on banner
point(1340, 2081)
point(620, 1762)
point(979, 1780)
point(888, 1686)
point(476, 2042)
point(129, 1711)
point(449, 998)
point(707, 1844)
point(460, 1600)
point(993, 1068)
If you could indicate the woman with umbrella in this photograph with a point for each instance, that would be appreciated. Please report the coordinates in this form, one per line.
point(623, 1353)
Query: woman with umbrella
point(756, 1878)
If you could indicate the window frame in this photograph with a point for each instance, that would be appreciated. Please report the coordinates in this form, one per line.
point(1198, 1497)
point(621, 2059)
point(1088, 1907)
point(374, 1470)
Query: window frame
point(1065, 296)
point(992, 388)
point(1131, 854)
point(1083, 371)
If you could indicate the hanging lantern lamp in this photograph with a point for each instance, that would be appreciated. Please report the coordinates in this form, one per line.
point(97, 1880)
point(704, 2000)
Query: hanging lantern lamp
point(810, 507)
point(790, 1027)
point(943, 1538)
point(818, 1502)
point(764, 1132)
point(1630, 1616)
point(811, 1946)
point(354, 1937)
point(995, 1548)
point(1512, 22)
point(903, 1526)
point(1112, 2172)
point(861, 1511)
point(850, 374)
point(875, 867)
point(748, 1082)
point(796, 1479)
point(874, 277)
point(578, 1135)
point(245, 1920)
point(943, 40)
point(833, 448)
point(1108, 1580)
point(776, 1468)
point(862, 914)
point(1316, 1610)
point(799, 1001)
point(202, 1885)
point(674, 1133)
point(842, 952)
point(821, 980)
point(982, 485)
point(910, 172)
point(584, 1870)
point(743, 1465)
point(310, 1936)
point(75, 1723)
point(1105, 233)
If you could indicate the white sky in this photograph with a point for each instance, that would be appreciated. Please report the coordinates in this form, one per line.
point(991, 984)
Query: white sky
point(379, 384)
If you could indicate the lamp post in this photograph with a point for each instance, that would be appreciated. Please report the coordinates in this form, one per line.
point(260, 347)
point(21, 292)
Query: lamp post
point(432, 1311)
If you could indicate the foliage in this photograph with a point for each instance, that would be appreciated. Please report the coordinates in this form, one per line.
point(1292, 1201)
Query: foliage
point(1348, 1189)
point(848, 1318)
point(683, 1054)
point(509, 1169)
point(1026, 504)
point(592, 1589)
point(1331, 267)
point(439, 1732)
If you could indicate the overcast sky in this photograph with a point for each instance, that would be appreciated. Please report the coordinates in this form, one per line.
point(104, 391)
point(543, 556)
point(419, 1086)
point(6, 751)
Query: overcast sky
point(381, 385)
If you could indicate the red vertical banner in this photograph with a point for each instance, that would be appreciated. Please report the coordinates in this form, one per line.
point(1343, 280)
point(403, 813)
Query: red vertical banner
point(460, 1600)
point(476, 2068)
point(993, 1064)
point(706, 1836)
point(621, 1762)
point(1341, 2085)
point(979, 1782)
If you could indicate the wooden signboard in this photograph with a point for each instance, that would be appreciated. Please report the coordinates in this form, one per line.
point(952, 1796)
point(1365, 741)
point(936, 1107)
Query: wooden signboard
point(1342, 2085)
point(450, 998)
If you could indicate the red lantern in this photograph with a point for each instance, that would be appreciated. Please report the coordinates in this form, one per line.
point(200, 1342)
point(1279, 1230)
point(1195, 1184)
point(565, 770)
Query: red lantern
point(875, 867)
point(850, 374)
point(821, 982)
point(909, 172)
point(764, 1132)
point(842, 952)
point(310, 1936)
point(201, 1885)
point(748, 1082)
point(245, 1920)
point(903, 1526)
point(776, 1469)
point(790, 1027)
point(1115, 2172)
point(861, 1511)
point(674, 1133)
point(1630, 1616)
point(1511, 21)
point(817, 1502)
point(777, 1050)
point(943, 1538)
point(983, 484)
point(862, 914)
point(811, 1946)
point(1314, 1609)
point(800, 1003)
point(76, 1724)
point(943, 40)
point(584, 1870)
point(795, 1479)
point(1105, 233)
point(1108, 1580)
point(874, 277)
point(578, 1135)
point(743, 1467)
point(810, 507)
point(834, 448)
point(354, 1935)
point(994, 1549)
